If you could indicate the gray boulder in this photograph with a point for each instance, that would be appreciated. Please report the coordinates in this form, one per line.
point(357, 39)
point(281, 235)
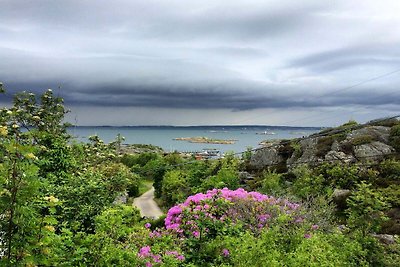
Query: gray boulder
point(245, 176)
point(372, 151)
point(339, 156)
point(379, 133)
point(385, 239)
point(339, 197)
point(265, 157)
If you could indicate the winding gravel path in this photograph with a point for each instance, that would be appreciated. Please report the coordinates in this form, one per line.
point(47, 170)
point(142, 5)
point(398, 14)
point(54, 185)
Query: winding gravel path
point(147, 206)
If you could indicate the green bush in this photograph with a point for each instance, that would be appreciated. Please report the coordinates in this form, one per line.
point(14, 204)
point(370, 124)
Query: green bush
point(277, 248)
point(395, 137)
point(271, 183)
point(361, 140)
point(324, 145)
point(297, 148)
point(366, 209)
point(226, 177)
point(339, 175)
point(174, 188)
point(390, 170)
point(350, 123)
point(307, 184)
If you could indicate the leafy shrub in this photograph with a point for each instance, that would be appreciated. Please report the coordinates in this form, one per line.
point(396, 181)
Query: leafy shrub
point(361, 140)
point(307, 184)
point(205, 217)
point(174, 188)
point(296, 149)
point(226, 177)
point(390, 170)
point(278, 248)
point(395, 137)
point(350, 123)
point(366, 208)
point(271, 183)
point(324, 145)
point(386, 123)
point(339, 175)
point(138, 159)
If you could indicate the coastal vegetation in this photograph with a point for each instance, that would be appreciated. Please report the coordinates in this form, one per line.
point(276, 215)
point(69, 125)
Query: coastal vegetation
point(58, 201)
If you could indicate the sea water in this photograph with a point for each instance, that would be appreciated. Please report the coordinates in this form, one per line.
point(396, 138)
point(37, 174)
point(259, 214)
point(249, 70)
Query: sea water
point(163, 136)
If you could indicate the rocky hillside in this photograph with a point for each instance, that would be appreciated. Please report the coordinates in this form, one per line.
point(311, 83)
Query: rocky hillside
point(349, 143)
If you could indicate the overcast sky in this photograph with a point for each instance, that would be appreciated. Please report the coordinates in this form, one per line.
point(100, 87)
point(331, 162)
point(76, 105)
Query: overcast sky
point(206, 62)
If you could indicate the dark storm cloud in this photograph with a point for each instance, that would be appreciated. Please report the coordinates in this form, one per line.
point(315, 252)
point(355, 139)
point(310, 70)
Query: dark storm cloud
point(204, 98)
point(234, 55)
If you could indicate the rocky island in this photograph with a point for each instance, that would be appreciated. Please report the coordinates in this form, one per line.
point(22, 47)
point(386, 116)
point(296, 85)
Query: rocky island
point(206, 140)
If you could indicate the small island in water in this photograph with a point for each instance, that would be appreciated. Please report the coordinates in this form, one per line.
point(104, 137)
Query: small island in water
point(206, 140)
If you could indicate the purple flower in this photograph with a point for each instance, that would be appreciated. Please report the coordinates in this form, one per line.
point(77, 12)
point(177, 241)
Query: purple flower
point(148, 264)
point(307, 236)
point(147, 225)
point(299, 220)
point(181, 257)
point(157, 258)
point(173, 252)
point(196, 233)
point(225, 252)
point(144, 252)
point(264, 217)
point(314, 227)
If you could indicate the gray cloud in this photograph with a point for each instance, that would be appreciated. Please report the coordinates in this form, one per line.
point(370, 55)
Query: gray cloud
point(348, 57)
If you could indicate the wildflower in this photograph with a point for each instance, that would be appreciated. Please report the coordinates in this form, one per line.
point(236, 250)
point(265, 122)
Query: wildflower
point(264, 217)
point(50, 228)
point(307, 236)
point(52, 199)
point(3, 130)
point(225, 252)
point(15, 126)
point(148, 264)
point(299, 220)
point(173, 252)
point(147, 225)
point(157, 258)
point(314, 227)
point(30, 156)
point(144, 252)
point(196, 234)
point(181, 257)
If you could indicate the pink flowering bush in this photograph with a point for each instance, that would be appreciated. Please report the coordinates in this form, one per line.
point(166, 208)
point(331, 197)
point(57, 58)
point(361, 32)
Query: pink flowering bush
point(238, 228)
point(206, 215)
point(203, 218)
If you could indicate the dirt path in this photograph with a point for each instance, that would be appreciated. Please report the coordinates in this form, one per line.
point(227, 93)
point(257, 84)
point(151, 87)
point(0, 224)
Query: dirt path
point(147, 206)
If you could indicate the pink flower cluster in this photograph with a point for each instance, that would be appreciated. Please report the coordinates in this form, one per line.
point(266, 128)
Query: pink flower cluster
point(146, 254)
point(252, 209)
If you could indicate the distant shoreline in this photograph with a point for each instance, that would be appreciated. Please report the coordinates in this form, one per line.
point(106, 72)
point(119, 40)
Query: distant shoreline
point(239, 127)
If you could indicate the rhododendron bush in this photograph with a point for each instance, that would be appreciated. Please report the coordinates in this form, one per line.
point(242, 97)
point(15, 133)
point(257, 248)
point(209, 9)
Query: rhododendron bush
point(203, 215)
point(238, 228)
point(204, 218)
